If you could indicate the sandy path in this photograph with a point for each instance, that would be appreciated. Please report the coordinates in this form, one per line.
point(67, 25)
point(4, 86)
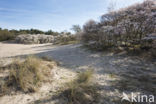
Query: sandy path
point(71, 56)
point(75, 58)
point(11, 50)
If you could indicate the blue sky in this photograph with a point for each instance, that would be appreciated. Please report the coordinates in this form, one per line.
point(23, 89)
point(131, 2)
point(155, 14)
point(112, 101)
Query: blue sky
point(58, 15)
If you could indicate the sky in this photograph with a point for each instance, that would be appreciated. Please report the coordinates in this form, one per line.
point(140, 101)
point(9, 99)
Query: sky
point(58, 15)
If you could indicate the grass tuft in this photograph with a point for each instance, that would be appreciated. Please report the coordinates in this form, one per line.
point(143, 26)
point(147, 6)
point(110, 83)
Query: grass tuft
point(27, 75)
point(81, 90)
point(46, 58)
point(85, 77)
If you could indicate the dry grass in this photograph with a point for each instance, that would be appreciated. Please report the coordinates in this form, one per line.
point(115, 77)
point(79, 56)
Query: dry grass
point(82, 90)
point(85, 77)
point(65, 40)
point(68, 42)
point(46, 58)
point(27, 75)
point(55, 62)
point(1, 66)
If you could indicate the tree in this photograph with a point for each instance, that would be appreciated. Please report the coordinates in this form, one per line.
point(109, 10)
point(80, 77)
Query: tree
point(50, 32)
point(76, 28)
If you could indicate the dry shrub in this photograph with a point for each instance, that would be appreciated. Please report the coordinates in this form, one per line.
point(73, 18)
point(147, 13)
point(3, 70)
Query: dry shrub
point(27, 75)
point(65, 39)
point(82, 90)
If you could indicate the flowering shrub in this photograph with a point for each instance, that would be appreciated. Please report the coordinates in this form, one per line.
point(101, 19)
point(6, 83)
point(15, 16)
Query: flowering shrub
point(125, 27)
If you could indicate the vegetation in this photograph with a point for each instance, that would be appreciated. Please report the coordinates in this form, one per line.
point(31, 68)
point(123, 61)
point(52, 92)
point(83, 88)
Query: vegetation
point(127, 28)
point(65, 39)
point(76, 28)
point(34, 39)
point(6, 34)
point(27, 75)
point(82, 90)
point(50, 32)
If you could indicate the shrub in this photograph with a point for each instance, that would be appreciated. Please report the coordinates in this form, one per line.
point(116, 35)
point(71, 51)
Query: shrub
point(34, 39)
point(123, 28)
point(6, 35)
point(82, 90)
point(89, 31)
point(65, 39)
point(41, 38)
point(27, 75)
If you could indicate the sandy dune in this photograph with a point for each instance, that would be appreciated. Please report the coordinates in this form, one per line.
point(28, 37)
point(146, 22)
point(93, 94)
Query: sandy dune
point(72, 58)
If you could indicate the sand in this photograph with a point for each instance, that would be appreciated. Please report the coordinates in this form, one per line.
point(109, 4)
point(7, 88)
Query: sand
point(73, 58)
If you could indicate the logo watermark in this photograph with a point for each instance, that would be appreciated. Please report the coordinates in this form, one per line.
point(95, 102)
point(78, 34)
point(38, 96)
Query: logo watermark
point(137, 97)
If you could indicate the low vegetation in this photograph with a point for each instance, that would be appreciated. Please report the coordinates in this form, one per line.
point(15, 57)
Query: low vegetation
point(81, 90)
point(27, 75)
point(6, 35)
point(34, 39)
point(65, 39)
point(41, 38)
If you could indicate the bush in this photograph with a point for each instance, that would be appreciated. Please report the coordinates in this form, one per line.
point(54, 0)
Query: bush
point(6, 35)
point(34, 39)
point(41, 38)
point(123, 28)
point(65, 39)
point(82, 90)
point(27, 75)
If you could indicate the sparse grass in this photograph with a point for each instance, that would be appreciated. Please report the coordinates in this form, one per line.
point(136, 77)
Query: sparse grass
point(64, 40)
point(111, 75)
point(85, 77)
point(46, 58)
point(81, 90)
point(1, 66)
point(27, 75)
point(67, 42)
